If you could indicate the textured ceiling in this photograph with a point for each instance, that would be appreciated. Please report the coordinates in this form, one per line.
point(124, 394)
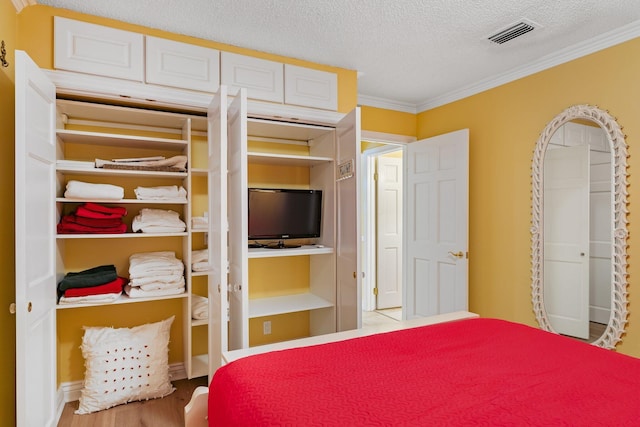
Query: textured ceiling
point(411, 52)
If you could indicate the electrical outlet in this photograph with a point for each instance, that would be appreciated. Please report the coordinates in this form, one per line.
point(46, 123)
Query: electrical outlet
point(266, 327)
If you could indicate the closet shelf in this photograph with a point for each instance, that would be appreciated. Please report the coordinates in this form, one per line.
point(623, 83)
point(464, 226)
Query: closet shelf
point(128, 141)
point(119, 236)
point(201, 322)
point(123, 299)
point(285, 159)
point(121, 201)
point(272, 306)
point(120, 172)
point(302, 250)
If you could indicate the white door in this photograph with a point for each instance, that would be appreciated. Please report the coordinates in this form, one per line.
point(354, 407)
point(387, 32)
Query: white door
point(389, 230)
point(437, 216)
point(566, 239)
point(35, 241)
point(238, 223)
point(349, 271)
point(217, 240)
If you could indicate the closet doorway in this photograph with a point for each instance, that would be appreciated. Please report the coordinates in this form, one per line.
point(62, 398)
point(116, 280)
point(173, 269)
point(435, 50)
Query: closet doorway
point(382, 232)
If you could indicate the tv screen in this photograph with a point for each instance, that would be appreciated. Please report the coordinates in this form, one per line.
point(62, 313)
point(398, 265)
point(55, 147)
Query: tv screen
point(284, 213)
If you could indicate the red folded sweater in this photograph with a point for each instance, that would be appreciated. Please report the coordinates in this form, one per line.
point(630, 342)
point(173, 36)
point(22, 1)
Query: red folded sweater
point(94, 210)
point(91, 222)
point(71, 228)
point(107, 288)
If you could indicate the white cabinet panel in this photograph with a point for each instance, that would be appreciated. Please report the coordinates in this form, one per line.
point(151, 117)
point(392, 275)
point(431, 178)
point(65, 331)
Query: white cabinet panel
point(263, 79)
point(95, 49)
point(182, 65)
point(310, 88)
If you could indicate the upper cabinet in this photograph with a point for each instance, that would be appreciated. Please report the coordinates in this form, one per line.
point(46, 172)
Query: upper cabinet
point(263, 79)
point(182, 65)
point(110, 52)
point(95, 49)
point(310, 88)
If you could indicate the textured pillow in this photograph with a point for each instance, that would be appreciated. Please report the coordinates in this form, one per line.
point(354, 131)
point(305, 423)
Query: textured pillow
point(124, 365)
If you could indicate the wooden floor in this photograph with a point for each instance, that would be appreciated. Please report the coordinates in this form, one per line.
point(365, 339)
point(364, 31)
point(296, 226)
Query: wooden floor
point(165, 412)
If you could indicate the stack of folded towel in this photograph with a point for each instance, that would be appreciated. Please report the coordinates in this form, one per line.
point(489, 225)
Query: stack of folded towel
point(199, 307)
point(154, 274)
point(170, 193)
point(200, 222)
point(86, 190)
point(95, 285)
point(92, 218)
point(200, 260)
point(158, 221)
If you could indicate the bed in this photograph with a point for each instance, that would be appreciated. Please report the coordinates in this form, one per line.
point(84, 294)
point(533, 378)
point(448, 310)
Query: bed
point(465, 372)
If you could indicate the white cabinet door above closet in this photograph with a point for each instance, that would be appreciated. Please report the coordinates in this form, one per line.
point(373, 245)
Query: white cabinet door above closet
point(182, 65)
point(310, 88)
point(95, 49)
point(263, 79)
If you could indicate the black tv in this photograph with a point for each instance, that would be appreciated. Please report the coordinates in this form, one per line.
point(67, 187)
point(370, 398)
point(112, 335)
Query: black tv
point(279, 214)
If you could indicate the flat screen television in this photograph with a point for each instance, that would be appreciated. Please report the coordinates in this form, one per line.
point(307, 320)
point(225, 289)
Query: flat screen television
point(279, 214)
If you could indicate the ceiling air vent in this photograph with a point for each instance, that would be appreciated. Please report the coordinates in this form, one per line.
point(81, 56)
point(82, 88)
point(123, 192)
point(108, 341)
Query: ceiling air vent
point(512, 31)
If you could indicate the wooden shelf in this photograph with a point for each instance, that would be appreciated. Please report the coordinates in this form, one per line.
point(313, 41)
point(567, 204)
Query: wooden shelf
point(123, 299)
point(286, 304)
point(303, 250)
point(115, 140)
point(119, 236)
point(121, 201)
point(120, 172)
point(199, 365)
point(285, 159)
point(200, 322)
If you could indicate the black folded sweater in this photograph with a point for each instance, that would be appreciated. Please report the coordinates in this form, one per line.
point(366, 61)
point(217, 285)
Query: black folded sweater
point(92, 277)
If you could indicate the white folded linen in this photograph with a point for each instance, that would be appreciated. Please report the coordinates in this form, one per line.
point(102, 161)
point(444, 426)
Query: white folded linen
point(86, 190)
point(164, 278)
point(90, 299)
point(158, 219)
point(201, 266)
point(149, 264)
point(199, 222)
point(199, 307)
point(162, 285)
point(167, 192)
point(200, 255)
point(139, 293)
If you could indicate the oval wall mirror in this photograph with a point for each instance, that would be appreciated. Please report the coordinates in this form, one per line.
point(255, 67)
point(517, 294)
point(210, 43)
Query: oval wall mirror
point(579, 227)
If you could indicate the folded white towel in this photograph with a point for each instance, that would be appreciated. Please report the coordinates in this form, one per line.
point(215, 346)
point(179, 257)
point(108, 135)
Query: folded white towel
point(90, 299)
point(199, 222)
point(201, 266)
point(174, 277)
point(167, 192)
point(146, 264)
point(199, 307)
point(86, 190)
point(158, 220)
point(139, 293)
point(200, 255)
point(156, 286)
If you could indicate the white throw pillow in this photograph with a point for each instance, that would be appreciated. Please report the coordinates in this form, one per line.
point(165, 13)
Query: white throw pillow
point(124, 365)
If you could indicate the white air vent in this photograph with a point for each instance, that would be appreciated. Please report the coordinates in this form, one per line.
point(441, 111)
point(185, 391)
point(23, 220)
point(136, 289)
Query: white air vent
point(512, 31)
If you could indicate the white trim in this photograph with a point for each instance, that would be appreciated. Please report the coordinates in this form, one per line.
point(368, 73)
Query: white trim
point(388, 104)
point(21, 4)
point(578, 50)
point(86, 85)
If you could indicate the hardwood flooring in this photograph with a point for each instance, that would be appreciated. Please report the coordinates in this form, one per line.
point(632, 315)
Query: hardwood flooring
point(165, 412)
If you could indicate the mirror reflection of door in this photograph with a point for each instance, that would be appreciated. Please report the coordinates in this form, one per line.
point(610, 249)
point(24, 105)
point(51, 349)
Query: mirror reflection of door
point(577, 230)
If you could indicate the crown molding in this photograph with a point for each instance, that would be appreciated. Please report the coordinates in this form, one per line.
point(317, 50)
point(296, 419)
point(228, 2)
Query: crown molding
point(21, 4)
point(388, 104)
point(570, 53)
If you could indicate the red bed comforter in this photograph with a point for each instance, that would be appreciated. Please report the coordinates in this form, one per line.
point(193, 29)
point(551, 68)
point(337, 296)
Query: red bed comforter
point(477, 372)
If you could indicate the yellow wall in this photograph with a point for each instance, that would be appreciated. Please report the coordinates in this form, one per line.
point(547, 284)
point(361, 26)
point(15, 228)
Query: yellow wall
point(388, 121)
point(8, 31)
point(36, 37)
point(504, 124)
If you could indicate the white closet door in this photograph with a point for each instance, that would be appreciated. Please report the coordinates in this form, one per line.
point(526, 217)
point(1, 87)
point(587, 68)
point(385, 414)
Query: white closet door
point(238, 226)
point(349, 270)
point(217, 241)
point(35, 225)
point(437, 217)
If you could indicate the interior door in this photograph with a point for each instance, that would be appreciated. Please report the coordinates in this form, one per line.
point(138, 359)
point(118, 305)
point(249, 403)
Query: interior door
point(436, 225)
point(349, 270)
point(217, 240)
point(389, 230)
point(238, 223)
point(35, 245)
point(566, 239)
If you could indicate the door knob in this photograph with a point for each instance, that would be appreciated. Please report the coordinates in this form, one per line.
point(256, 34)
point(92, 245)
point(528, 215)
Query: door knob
point(458, 254)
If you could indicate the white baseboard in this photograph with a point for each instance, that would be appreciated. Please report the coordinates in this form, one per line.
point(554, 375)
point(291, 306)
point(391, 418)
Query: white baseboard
point(70, 391)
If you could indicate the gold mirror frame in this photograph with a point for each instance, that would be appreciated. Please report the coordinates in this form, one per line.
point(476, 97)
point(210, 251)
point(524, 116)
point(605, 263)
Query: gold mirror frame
point(618, 318)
